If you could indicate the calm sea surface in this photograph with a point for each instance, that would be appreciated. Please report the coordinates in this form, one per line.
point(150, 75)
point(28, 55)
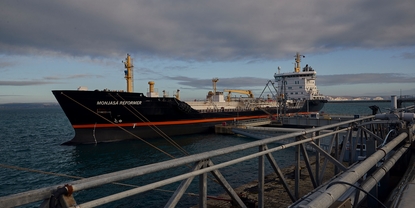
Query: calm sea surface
point(32, 138)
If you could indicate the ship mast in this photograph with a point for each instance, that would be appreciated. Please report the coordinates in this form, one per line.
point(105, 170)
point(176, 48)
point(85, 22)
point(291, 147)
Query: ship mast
point(297, 67)
point(214, 80)
point(129, 73)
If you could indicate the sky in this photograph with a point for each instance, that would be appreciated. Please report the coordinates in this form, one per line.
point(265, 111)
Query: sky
point(357, 47)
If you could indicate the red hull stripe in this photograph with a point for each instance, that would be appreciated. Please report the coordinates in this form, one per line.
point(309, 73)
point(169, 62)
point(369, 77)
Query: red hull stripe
point(162, 123)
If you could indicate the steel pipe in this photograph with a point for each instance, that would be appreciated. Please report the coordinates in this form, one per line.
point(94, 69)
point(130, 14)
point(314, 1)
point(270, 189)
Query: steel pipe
point(328, 197)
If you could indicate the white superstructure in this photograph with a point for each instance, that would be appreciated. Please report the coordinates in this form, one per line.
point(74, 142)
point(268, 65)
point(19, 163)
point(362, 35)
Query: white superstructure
point(298, 85)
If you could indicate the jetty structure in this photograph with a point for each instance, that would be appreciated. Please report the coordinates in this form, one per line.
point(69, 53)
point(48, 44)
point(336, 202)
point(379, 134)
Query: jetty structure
point(372, 160)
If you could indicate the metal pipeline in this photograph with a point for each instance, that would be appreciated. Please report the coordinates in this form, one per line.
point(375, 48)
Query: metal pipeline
point(373, 179)
point(328, 197)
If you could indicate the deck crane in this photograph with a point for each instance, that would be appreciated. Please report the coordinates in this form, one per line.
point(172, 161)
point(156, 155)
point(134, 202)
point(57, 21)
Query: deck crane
point(245, 92)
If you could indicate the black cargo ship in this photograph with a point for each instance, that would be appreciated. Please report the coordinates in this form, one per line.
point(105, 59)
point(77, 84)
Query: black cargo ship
point(107, 116)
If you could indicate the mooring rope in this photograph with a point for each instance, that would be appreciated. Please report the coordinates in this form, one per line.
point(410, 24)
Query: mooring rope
point(158, 131)
point(125, 130)
point(152, 126)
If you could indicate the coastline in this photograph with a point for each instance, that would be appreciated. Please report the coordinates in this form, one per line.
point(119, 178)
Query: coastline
point(356, 101)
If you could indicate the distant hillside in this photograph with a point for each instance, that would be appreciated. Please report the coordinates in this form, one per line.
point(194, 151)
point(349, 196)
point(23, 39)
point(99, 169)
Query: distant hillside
point(357, 101)
point(28, 105)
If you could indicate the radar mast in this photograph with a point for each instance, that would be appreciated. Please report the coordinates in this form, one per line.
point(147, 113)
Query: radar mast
point(297, 67)
point(129, 73)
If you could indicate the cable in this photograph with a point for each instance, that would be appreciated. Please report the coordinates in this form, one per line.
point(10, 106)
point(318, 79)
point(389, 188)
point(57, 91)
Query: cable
point(152, 126)
point(342, 182)
point(132, 134)
point(119, 126)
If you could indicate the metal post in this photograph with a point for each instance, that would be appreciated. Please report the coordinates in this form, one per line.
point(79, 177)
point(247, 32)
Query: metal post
point(183, 187)
point(336, 151)
point(317, 173)
point(203, 189)
point(280, 175)
point(308, 164)
point(297, 167)
point(261, 176)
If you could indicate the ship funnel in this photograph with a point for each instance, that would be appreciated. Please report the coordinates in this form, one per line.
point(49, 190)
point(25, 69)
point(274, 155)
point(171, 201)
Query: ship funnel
point(151, 92)
point(151, 86)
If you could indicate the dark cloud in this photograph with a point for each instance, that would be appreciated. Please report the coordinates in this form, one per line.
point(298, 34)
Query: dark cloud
point(6, 64)
point(223, 83)
point(23, 83)
point(46, 80)
point(408, 55)
point(364, 78)
point(250, 83)
point(202, 30)
point(10, 95)
point(75, 76)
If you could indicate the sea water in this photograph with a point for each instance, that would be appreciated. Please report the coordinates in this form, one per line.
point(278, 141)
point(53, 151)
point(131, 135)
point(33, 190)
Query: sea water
point(32, 138)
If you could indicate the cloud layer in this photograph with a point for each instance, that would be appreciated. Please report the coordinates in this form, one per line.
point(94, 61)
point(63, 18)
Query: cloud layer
point(203, 30)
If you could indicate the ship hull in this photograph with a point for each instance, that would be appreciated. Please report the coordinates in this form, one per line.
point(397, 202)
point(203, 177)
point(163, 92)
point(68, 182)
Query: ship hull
point(312, 106)
point(107, 116)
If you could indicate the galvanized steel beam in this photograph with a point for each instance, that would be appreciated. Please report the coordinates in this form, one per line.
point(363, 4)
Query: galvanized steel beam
point(228, 188)
point(261, 177)
point(203, 188)
point(376, 176)
point(182, 187)
point(328, 197)
point(329, 157)
point(278, 171)
point(308, 165)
